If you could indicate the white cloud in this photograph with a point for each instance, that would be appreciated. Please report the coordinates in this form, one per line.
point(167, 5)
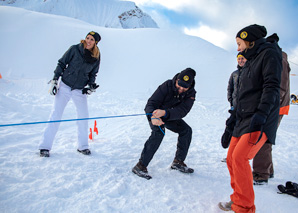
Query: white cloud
point(220, 20)
point(214, 36)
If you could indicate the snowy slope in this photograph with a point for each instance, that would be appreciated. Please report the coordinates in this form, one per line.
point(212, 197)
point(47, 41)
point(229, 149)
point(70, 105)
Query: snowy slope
point(106, 13)
point(134, 63)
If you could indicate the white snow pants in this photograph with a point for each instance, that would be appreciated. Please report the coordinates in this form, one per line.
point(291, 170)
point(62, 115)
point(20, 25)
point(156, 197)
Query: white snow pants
point(61, 99)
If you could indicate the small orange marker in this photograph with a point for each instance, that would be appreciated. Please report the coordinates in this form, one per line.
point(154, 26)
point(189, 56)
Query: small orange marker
point(95, 128)
point(90, 135)
point(0, 76)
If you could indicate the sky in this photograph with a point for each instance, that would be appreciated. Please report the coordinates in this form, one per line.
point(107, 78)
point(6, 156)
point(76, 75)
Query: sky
point(218, 21)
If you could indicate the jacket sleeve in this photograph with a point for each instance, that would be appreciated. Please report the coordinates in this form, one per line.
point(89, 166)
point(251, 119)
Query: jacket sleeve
point(272, 66)
point(284, 84)
point(62, 63)
point(157, 98)
point(93, 73)
point(230, 89)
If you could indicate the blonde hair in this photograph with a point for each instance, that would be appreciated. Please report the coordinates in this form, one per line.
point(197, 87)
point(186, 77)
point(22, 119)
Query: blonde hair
point(249, 45)
point(94, 51)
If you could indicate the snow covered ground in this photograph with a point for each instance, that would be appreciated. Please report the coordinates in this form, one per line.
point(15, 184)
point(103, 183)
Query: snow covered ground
point(134, 63)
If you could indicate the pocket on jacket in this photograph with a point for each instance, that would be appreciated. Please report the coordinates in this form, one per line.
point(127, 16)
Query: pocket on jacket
point(247, 108)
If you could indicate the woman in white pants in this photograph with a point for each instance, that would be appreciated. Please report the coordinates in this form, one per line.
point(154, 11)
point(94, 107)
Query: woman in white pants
point(77, 68)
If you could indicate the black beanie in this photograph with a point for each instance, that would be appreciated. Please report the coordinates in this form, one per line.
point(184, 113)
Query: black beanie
point(186, 77)
point(95, 35)
point(252, 33)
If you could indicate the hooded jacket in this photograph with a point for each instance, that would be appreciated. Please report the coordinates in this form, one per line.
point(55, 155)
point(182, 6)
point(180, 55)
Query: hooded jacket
point(258, 90)
point(166, 97)
point(233, 87)
point(75, 70)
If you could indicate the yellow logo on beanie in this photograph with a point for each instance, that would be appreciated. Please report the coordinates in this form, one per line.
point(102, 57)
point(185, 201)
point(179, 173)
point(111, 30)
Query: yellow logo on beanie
point(185, 78)
point(243, 35)
point(92, 33)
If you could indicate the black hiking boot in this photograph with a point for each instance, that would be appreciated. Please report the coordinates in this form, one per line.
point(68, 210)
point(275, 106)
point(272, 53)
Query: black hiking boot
point(141, 171)
point(181, 166)
point(85, 152)
point(44, 153)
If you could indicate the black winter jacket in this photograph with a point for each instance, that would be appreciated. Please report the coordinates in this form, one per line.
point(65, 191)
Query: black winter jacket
point(76, 72)
point(258, 91)
point(166, 97)
point(233, 87)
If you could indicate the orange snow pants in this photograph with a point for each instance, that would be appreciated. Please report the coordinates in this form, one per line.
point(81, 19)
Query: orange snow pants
point(241, 150)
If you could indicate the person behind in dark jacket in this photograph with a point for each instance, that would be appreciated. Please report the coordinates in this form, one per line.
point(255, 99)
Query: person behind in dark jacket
point(232, 98)
point(165, 109)
point(262, 163)
point(233, 81)
point(77, 69)
point(257, 112)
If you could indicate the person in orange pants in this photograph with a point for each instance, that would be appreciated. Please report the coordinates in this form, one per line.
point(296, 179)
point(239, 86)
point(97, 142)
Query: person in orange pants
point(243, 149)
point(256, 114)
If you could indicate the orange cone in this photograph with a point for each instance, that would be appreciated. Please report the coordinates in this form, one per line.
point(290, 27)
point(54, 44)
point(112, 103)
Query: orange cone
point(90, 135)
point(95, 128)
point(0, 76)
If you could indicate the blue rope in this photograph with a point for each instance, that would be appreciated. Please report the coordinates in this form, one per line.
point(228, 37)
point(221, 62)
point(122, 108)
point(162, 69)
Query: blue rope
point(78, 119)
point(158, 126)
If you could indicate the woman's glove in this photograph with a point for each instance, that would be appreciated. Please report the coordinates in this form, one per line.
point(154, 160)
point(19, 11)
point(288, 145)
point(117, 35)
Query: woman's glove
point(90, 89)
point(54, 87)
point(257, 121)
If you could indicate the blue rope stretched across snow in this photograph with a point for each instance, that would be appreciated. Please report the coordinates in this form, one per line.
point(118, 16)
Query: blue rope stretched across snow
point(78, 119)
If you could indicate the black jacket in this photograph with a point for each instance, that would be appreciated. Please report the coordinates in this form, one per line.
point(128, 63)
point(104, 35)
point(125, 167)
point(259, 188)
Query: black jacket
point(258, 90)
point(166, 97)
point(233, 87)
point(76, 72)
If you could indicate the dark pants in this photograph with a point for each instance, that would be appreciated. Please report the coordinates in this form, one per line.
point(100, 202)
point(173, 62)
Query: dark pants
point(262, 163)
point(152, 144)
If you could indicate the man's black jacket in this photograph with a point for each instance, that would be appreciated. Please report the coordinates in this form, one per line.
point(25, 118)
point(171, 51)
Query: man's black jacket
point(166, 97)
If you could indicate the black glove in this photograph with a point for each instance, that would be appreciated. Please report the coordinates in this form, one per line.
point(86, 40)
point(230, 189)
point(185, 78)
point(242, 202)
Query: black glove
point(231, 121)
point(226, 138)
point(93, 86)
point(257, 121)
point(227, 135)
point(54, 87)
point(90, 89)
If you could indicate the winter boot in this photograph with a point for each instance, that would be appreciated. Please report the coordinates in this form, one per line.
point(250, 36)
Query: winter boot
point(181, 166)
point(85, 152)
point(141, 171)
point(44, 153)
point(224, 160)
point(259, 180)
point(226, 206)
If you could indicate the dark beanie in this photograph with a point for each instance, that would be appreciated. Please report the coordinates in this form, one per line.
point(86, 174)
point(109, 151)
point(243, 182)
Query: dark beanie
point(252, 33)
point(186, 77)
point(95, 35)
